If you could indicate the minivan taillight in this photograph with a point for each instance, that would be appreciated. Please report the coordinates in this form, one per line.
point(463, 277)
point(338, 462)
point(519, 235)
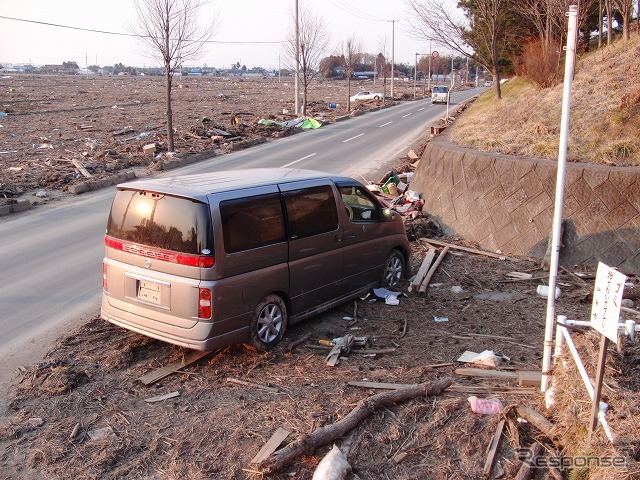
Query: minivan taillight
point(204, 303)
point(104, 277)
point(190, 260)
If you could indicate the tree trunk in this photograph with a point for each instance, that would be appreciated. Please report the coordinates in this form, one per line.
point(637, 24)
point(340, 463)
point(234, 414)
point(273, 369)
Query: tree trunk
point(348, 92)
point(608, 8)
point(169, 78)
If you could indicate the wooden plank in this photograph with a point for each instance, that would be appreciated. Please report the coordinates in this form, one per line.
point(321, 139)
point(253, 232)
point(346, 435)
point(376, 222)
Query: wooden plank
point(478, 372)
point(274, 442)
point(467, 249)
point(424, 268)
point(529, 378)
point(162, 372)
point(467, 356)
point(493, 391)
point(253, 385)
point(493, 448)
point(81, 168)
point(159, 398)
point(432, 270)
point(381, 385)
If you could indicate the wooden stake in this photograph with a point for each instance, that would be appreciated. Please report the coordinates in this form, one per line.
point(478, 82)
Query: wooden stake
point(493, 448)
point(432, 270)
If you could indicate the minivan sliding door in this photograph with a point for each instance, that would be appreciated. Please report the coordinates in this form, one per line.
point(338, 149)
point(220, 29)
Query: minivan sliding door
point(315, 244)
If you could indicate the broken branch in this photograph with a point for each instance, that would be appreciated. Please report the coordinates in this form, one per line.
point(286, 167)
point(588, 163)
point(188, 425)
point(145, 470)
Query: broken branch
point(329, 433)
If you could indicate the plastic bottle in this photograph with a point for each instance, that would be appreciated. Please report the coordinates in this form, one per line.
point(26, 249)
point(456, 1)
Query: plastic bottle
point(485, 407)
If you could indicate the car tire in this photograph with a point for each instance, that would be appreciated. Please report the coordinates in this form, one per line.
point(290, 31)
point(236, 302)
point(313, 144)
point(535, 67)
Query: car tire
point(268, 323)
point(394, 270)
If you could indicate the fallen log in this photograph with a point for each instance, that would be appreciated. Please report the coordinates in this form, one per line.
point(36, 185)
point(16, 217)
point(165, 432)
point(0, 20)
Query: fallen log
point(527, 469)
point(329, 433)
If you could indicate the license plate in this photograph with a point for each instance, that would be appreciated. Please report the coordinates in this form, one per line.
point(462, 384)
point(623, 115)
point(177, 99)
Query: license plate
point(149, 292)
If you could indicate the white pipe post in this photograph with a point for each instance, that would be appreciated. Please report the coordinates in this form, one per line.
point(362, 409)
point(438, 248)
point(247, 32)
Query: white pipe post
point(557, 216)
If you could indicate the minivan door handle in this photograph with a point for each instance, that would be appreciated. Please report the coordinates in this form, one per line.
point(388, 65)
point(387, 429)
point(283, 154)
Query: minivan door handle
point(348, 234)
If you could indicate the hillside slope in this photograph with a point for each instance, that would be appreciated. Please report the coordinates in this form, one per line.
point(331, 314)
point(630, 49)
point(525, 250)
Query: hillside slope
point(605, 112)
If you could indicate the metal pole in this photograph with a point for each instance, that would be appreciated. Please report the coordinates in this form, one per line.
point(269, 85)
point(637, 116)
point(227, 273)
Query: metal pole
point(393, 34)
point(429, 76)
point(415, 76)
point(297, 82)
point(557, 216)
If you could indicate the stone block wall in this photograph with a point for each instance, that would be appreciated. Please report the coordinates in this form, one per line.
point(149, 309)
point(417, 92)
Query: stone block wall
point(507, 203)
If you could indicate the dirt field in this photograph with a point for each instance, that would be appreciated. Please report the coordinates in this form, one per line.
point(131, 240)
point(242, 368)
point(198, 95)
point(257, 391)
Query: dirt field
point(104, 122)
point(82, 412)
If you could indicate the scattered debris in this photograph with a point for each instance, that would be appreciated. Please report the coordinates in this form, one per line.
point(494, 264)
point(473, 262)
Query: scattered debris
point(493, 448)
point(491, 406)
point(163, 372)
point(271, 446)
point(101, 433)
point(329, 433)
point(253, 385)
point(334, 466)
point(160, 398)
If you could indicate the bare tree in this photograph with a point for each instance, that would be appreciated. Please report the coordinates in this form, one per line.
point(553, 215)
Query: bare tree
point(169, 30)
point(351, 55)
point(313, 41)
point(482, 36)
point(625, 8)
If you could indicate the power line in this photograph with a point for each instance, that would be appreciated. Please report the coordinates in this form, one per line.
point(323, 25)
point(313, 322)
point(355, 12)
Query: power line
point(126, 34)
point(356, 12)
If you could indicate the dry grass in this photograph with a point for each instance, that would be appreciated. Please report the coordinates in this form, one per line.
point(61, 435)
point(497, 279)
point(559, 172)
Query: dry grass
point(605, 113)
point(572, 409)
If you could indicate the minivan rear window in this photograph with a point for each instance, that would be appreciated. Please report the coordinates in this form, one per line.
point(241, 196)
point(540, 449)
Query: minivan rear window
point(161, 221)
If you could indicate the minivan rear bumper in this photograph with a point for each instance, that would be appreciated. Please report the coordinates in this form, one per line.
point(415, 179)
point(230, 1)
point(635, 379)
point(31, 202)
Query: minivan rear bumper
point(197, 337)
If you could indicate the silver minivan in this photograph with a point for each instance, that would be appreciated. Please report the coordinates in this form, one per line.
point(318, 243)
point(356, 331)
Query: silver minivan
point(211, 260)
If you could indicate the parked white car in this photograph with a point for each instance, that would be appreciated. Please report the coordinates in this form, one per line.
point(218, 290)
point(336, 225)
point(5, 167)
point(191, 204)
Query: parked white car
point(366, 95)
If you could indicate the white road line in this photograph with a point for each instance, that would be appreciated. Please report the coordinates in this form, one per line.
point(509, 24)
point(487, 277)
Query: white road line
point(420, 109)
point(296, 161)
point(352, 138)
point(403, 116)
point(385, 124)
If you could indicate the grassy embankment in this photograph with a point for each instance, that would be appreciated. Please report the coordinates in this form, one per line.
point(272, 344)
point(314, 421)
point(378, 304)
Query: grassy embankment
point(605, 112)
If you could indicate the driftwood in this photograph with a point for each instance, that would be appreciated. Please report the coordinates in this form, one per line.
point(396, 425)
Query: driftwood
point(467, 249)
point(329, 433)
point(493, 448)
point(527, 469)
point(297, 342)
point(432, 270)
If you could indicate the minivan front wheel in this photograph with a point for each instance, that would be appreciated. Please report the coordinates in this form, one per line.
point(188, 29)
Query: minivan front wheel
point(268, 323)
point(394, 269)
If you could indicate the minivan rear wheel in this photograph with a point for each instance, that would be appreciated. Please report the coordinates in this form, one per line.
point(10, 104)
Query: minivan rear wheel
point(394, 269)
point(269, 323)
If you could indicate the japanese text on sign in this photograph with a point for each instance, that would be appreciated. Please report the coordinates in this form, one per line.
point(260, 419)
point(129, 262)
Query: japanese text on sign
point(607, 298)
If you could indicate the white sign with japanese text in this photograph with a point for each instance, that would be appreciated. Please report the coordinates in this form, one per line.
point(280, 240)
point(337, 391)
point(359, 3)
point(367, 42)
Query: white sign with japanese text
point(607, 298)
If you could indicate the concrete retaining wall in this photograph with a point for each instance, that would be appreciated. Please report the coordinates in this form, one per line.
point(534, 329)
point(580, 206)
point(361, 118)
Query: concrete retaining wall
point(507, 203)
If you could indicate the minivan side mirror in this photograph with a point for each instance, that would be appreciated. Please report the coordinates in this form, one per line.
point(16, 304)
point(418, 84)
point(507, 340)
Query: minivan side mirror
point(387, 214)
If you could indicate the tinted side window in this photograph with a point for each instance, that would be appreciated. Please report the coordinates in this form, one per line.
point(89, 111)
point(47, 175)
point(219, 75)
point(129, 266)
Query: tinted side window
point(359, 205)
point(161, 221)
point(252, 222)
point(311, 211)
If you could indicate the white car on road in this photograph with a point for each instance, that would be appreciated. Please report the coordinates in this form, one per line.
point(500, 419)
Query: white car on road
point(366, 95)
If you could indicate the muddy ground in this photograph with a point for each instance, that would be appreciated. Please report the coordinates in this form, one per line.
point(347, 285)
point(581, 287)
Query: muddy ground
point(54, 122)
point(82, 411)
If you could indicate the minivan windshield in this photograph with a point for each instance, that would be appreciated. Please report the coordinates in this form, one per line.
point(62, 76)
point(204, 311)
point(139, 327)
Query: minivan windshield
point(440, 89)
point(161, 221)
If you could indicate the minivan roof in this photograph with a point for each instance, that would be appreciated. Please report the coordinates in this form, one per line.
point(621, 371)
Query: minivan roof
point(200, 185)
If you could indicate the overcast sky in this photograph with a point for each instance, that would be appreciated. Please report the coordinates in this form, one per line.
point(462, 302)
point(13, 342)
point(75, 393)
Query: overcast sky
point(251, 21)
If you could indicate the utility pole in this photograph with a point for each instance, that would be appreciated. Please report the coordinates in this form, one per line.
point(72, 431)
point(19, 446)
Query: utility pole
point(393, 34)
point(429, 76)
point(415, 76)
point(452, 78)
point(297, 82)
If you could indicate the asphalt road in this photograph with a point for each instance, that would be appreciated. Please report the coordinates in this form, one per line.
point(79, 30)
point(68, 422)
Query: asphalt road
point(50, 257)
